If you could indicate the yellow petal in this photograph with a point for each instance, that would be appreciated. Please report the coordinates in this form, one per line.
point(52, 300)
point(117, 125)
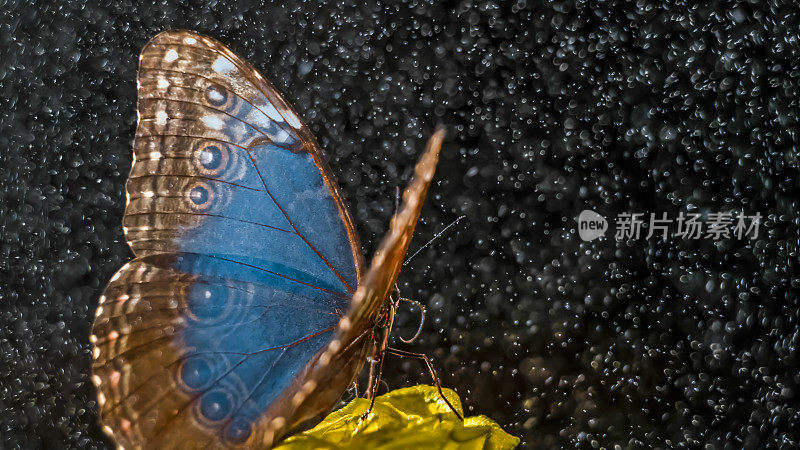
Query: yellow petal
point(408, 418)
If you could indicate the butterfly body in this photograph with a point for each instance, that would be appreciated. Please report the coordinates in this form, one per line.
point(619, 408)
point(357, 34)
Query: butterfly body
point(248, 308)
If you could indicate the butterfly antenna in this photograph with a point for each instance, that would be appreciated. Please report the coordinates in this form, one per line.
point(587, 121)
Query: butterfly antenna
point(421, 320)
point(437, 236)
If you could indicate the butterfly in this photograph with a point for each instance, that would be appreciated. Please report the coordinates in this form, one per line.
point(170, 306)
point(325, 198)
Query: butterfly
point(248, 308)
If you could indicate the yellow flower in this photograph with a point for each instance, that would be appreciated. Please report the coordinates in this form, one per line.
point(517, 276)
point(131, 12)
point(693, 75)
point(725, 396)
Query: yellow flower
point(404, 419)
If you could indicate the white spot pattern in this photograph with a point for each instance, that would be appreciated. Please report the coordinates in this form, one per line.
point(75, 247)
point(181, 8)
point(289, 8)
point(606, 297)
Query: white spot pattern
point(171, 55)
point(213, 122)
point(281, 137)
point(291, 119)
point(223, 65)
point(161, 118)
point(272, 113)
point(215, 96)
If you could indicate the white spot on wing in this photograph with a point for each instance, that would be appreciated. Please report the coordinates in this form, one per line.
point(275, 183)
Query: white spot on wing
point(257, 118)
point(161, 118)
point(190, 40)
point(171, 55)
point(205, 159)
point(239, 130)
point(223, 65)
point(213, 122)
point(273, 113)
point(291, 119)
point(163, 83)
point(215, 96)
point(281, 137)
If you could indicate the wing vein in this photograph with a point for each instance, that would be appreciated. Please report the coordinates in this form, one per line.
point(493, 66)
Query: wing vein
point(340, 294)
point(202, 177)
point(201, 214)
point(311, 246)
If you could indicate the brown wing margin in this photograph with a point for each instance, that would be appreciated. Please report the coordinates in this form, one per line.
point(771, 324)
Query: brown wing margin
point(371, 295)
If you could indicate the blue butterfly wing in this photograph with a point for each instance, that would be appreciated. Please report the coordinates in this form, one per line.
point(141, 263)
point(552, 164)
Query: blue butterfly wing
point(187, 357)
point(223, 166)
point(246, 260)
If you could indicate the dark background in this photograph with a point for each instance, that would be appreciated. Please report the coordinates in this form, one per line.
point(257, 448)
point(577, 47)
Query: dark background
point(552, 108)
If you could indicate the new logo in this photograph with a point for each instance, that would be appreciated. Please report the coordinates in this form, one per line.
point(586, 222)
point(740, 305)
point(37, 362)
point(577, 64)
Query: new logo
point(591, 225)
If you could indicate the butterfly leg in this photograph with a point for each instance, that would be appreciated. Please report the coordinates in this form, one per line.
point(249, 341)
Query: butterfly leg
point(374, 383)
point(371, 380)
point(432, 371)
